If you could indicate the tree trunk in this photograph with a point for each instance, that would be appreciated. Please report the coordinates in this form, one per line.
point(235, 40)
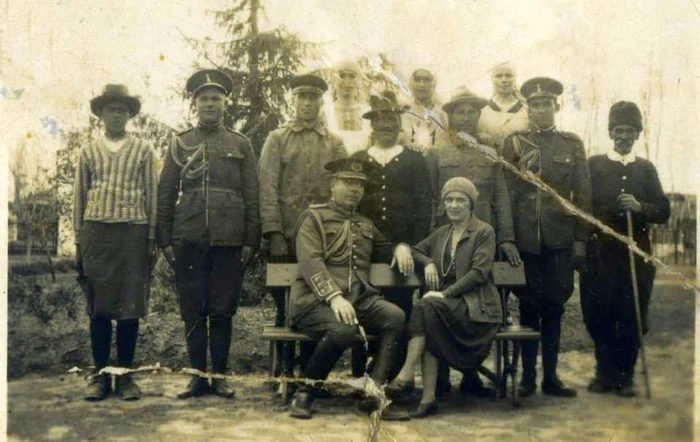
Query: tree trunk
point(256, 102)
point(51, 267)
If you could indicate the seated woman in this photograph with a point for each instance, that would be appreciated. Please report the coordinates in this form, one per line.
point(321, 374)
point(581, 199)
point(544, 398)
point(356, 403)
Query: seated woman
point(458, 318)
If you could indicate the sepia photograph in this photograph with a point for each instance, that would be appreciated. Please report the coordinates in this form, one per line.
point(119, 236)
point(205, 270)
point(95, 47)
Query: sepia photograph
point(332, 221)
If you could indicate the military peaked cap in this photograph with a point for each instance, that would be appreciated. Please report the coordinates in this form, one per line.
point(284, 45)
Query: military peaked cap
point(309, 83)
point(209, 77)
point(354, 168)
point(541, 87)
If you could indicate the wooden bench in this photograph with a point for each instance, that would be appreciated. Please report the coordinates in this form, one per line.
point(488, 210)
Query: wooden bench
point(281, 276)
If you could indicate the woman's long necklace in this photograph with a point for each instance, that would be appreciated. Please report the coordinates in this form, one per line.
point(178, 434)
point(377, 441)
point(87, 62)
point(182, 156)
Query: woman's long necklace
point(450, 240)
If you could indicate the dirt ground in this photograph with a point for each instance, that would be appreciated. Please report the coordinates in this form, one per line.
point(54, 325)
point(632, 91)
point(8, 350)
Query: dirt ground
point(50, 407)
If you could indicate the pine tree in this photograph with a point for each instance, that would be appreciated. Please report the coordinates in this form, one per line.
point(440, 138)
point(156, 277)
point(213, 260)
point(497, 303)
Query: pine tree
point(261, 65)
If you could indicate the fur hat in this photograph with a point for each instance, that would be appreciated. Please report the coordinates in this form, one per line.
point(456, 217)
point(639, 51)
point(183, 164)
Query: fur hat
point(625, 113)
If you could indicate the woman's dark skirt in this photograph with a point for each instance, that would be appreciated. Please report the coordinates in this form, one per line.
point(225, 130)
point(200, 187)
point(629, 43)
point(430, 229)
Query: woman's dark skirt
point(449, 334)
point(116, 268)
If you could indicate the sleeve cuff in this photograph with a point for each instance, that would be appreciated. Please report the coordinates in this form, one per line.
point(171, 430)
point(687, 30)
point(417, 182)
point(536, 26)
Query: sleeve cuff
point(323, 286)
point(271, 226)
point(330, 297)
point(448, 293)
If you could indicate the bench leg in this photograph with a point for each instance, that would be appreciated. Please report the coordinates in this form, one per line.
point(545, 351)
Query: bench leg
point(514, 373)
point(289, 349)
point(500, 385)
point(272, 359)
point(506, 368)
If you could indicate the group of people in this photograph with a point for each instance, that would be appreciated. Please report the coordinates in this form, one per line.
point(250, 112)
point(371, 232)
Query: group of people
point(424, 190)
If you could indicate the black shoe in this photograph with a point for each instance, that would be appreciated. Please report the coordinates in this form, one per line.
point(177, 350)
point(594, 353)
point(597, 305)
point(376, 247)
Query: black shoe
point(370, 405)
point(527, 388)
point(98, 387)
point(398, 387)
point(222, 388)
point(301, 405)
point(425, 410)
point(555, 387)
point(126, 389)
point(198, 386)
point(600, 384)
point(472, 385)
point(626, 388)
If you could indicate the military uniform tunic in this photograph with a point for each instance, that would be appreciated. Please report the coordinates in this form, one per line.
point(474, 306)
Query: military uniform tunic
point(545, 233)
point(208, 209)
point(448, 160)
point(559, 159)
point(292, 175)
point(335, 249)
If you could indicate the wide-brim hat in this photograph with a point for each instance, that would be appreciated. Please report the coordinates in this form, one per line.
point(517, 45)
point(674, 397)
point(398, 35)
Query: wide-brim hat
point(625, 113)
point(350, 168)
point(541, 87)
point(309, 83)
point(209, 78)
point(461, 96)
point(118, 93)
point(386, 102)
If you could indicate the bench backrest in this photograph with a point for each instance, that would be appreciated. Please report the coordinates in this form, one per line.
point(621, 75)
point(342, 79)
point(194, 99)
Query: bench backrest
point(381, 275)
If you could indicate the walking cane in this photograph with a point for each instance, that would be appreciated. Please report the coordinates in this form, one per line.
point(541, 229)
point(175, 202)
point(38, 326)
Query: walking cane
point(637, 309)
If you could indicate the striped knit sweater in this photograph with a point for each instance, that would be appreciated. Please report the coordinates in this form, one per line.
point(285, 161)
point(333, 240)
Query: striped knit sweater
point(115, 187)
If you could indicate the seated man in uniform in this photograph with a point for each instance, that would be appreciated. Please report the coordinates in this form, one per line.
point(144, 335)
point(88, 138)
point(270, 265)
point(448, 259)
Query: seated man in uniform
point(332, 298)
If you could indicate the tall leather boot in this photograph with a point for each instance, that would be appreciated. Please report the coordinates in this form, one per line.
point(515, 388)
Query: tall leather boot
point(529, 350)
point(551, 384)
point(358, 361)
point(220, 345)
point(196, 338)
point(443, 385)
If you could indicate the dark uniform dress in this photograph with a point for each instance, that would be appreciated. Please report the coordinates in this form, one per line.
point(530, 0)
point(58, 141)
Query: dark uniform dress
point(545, 233)
point(335, 249)
point(606, 284)
point(207, 210)
point(398, 201)
point(460, 327)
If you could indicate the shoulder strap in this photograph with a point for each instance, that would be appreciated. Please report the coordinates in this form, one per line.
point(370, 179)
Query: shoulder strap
point(316, 216)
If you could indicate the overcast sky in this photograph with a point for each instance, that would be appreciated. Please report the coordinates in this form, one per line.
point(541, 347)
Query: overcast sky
point(57, 54)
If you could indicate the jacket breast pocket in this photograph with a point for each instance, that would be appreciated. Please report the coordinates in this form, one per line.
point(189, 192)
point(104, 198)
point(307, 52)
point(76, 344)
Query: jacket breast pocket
point(482, 172)
point(562, 165)
point(228, 167)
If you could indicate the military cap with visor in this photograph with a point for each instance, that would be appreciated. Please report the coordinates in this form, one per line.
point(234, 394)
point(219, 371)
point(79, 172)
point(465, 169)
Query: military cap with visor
point(464, 96)
point(309, 83)
point(209, 78)
point(541, 87)
point(349, 168)
point(115, 93)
